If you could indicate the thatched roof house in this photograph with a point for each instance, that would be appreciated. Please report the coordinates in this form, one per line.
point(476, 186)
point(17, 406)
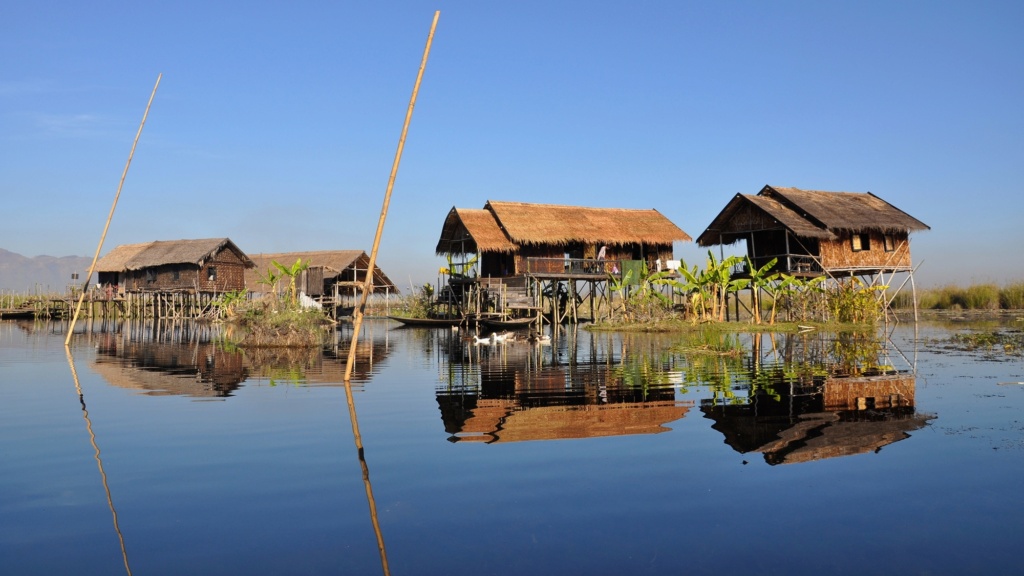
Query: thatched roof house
point(513, 238)
point(344, 269)
point(205, 265)
point(812, 231)
point(843, 417)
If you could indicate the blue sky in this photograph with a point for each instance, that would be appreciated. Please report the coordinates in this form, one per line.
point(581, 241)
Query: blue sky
point(276, 123)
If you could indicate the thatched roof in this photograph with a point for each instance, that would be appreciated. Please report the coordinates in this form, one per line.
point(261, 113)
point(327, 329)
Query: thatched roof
point(164, 252)
point(516, 224)
point(470, 231)
point(334, 262)
point(808, 214)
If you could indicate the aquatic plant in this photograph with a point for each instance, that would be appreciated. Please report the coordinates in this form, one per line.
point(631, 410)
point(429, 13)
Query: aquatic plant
point(291, 272)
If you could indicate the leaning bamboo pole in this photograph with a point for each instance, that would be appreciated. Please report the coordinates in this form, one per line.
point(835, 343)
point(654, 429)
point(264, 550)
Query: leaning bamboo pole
point(367, 287)
point(368, 283)
point(124, 174)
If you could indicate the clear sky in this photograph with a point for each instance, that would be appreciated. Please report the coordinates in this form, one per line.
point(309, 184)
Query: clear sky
point(276, 123)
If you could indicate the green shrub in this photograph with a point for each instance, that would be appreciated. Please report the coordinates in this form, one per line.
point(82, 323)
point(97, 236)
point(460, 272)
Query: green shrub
point(1011, 296)
point(981, 297)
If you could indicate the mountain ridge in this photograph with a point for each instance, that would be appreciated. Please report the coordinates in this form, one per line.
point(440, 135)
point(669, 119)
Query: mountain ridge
point(40, 274)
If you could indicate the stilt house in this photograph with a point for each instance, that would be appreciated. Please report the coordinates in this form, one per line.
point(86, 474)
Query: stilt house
point(517, 238)
point(329, 273)
point(206, 266)
point(814, 233)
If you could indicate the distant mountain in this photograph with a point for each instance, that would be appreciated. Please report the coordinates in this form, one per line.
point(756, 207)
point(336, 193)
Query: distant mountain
point(45, 274)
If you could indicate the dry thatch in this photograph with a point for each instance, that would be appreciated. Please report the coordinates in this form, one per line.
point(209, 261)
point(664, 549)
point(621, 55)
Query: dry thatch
point(471, 231)
point(807, 214)
point(333, 262)
point(164, 252)
point(516, 224)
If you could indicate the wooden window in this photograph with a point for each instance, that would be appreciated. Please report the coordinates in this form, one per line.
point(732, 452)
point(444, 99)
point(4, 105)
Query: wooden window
point(861, 242)
point(176, 274)
point(150, 276)
point(211, 273)
point(890, 243)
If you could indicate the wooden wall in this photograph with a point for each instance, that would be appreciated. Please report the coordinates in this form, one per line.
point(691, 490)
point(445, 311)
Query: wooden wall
point(840, 254)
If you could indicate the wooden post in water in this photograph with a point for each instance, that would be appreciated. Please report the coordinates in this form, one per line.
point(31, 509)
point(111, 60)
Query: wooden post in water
point(92, 267)
point(358, 312)
point(368, 283)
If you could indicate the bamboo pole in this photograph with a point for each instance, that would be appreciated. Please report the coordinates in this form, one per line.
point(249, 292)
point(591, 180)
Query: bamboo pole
point(124, 174)
point(358, 312)
point(367, 286)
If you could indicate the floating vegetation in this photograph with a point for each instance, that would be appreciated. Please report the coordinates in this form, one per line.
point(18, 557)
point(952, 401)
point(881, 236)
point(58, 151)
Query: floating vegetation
point(1008, 341)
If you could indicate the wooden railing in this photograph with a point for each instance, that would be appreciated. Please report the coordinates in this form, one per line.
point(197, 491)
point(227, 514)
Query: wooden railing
point(574, 266)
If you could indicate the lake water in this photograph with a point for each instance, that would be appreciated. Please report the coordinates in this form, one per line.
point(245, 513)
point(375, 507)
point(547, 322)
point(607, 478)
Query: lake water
point(155, 450)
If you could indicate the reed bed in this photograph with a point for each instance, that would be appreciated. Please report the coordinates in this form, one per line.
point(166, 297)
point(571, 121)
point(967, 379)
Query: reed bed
point(986, 296)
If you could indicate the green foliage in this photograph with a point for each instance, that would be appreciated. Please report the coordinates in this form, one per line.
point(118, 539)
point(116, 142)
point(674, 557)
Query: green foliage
point(1011, 297)
point(981, 297)
point(291, 272)
point(985, 296)
point(229, 304)
point(855, 302)
point(642, 299)
point(273, 322)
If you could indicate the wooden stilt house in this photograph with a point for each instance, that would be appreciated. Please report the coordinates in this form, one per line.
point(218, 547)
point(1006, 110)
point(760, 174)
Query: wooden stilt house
point(529, 249)
point(213, 265)
point(517, 238)
point(814, 233)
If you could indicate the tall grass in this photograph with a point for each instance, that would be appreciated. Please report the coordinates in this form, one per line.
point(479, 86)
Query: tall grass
point(975, 297)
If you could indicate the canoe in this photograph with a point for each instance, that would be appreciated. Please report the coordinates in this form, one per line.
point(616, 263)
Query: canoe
point(428, 322)
point(510, 324)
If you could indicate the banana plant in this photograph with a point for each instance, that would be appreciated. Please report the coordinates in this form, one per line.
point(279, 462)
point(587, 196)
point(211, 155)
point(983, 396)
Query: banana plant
point(291, 272)
point(762, 279)
point(270, 279)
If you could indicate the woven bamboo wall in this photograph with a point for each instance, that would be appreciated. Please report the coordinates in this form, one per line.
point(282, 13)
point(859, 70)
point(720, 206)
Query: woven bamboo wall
point(839, 253)
point(860, 393)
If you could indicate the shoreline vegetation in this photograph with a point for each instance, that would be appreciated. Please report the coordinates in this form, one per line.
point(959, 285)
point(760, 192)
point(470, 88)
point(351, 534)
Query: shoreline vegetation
point(273, 321)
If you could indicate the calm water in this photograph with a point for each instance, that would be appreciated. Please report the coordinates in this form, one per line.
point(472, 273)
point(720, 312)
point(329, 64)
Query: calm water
point(155, 451)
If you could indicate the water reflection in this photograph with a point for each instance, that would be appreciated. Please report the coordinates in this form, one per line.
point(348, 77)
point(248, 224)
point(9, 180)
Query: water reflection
point(809, 396)
point(578, 388)
point(791, 397)
point(187, 359)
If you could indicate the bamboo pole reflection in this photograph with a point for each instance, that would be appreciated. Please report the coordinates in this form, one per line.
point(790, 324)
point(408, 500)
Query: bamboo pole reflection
point(99, 460)
point(366, 478)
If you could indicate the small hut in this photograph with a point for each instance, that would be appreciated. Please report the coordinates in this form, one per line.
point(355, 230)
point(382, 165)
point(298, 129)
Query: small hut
point(213, 265)
point(814, 233)
point(331, 277)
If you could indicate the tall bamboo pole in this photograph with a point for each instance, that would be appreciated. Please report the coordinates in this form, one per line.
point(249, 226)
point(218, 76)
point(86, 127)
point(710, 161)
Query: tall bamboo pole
point(124, 174)
point(368, 283)
point(358, 313)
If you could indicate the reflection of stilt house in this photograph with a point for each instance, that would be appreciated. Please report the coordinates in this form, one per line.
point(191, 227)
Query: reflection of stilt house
point(171, 368)
point(171, 278)
point(837, 417)
point(813, 233)
point(553, 249)
point(334, 278)
point(519, 402)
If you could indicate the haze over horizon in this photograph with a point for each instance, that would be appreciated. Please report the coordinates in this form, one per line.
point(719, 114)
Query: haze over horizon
point(277, 125)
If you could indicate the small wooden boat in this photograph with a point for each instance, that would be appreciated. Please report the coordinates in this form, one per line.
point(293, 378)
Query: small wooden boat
point(507, 324)
point(17, 314)
point(428, 322)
